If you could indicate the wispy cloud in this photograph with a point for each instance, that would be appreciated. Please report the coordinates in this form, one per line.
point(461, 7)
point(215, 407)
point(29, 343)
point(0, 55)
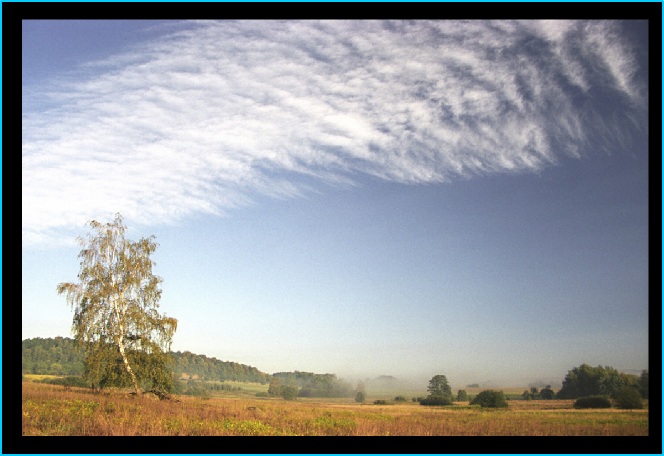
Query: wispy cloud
point(214, 113)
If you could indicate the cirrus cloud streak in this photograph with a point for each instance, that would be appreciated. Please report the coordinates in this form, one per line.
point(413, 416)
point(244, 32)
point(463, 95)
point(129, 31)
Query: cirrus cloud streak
point(206, 117)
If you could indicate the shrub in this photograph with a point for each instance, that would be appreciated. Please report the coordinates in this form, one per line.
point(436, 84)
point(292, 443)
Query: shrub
point(66, 381)
point(360, 396)
point(436, 400)
point(462, 396)
point(197, 391)
point(592, 402)
point(628, 397)
point(289, 392)
point(547, 393)
point(380, 402)
point(490, 398)
point(400, 399)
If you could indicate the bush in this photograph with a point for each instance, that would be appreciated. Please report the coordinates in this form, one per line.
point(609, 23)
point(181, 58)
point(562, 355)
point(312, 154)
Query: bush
point(66, 381)
point(400, 399)
point(462, 396)
point(289, 392)
point(628, 397)
point(380, 402)
point(490, 398)
point(197, 391)
point(360, 396)
point(592, 402)
point(436, 400)
point(547, 393)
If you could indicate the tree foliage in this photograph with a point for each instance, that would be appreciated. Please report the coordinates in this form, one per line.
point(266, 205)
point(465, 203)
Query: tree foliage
point(547, 393)
point(628, 397)
point(439, 387)
point(53, 356)
point(436, 400)
point(490, 398)
point(592, 402)
point(275, 387)
point(189, 364)
point(585, 381)
point(63, 356)
point(316, 385)
point(115, 304)
point(440, 392)
point(289, 392)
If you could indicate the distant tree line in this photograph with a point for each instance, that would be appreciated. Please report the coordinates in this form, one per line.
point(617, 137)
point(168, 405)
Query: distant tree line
point(312, 385)
point(592, 387)
point(52, 356)
point(61, 356)
point(205, 368)
point(586, 380)
point(546, 393)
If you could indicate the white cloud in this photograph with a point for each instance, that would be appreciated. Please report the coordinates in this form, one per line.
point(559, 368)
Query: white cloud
point(204, 118)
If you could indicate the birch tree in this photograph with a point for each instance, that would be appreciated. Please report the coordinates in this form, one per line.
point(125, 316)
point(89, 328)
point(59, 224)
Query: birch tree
point(115, 307)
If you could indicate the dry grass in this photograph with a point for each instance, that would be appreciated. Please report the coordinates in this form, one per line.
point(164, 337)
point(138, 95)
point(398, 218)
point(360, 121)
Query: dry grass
point(50, 410)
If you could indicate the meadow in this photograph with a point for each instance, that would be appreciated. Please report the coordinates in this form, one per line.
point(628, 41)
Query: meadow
point(52, 410)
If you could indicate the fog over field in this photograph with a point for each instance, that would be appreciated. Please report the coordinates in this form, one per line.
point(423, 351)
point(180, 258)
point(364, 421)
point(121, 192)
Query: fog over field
point(357, 197)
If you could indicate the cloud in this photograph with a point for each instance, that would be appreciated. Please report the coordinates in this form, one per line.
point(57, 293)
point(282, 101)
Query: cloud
point(214, 113)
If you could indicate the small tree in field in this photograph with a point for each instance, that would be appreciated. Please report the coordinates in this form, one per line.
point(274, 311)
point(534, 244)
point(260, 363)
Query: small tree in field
point(289, 392)
point(547, 393)
point(628, 397)
point(490, 398)
point(438, 386)
point(275, 387)
point(440, 392)
point(115, 310)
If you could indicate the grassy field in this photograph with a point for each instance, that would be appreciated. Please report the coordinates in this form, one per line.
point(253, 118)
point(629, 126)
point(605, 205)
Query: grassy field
point(52, 410)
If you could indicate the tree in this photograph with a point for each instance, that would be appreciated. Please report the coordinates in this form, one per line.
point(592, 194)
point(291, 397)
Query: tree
point(490, 398)
point(439, 387)
point(275, 387)
point(547, 393)
point(115, 306)
point(462, 396)
point(592, 402)
point(610, 381)
point(289, 392)
point(585, 380)
point(361, 394)
point(440, 392)
point(628, 397)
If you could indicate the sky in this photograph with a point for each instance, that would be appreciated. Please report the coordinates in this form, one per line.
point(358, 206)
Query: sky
point(363, 198)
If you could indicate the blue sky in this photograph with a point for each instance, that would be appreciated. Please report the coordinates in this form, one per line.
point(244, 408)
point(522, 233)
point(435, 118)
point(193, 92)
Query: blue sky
point(353, 197)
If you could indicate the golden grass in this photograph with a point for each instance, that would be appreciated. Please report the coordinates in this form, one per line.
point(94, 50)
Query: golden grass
point(51, 410)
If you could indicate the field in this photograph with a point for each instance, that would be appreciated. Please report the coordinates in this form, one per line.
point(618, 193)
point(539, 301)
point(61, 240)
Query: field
point(53, 410)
